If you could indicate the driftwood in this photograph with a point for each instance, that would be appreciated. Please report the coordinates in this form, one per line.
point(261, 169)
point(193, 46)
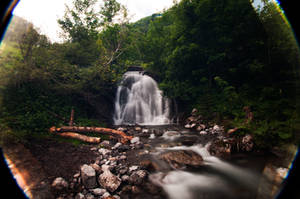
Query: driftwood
point(84, 138)
point(79, 129)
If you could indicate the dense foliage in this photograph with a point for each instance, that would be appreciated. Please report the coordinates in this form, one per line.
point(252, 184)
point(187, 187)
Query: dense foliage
point(222, 57)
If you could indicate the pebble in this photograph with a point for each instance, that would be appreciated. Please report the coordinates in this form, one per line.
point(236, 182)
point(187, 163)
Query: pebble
point(135, 140)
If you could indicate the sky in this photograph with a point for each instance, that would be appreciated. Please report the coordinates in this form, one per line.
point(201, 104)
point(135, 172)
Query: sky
point(44, 13)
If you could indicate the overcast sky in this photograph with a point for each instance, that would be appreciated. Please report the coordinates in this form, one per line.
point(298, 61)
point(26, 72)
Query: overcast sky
point(44, 13)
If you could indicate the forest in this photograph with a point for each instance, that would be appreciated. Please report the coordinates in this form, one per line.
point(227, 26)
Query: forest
point(220, 57)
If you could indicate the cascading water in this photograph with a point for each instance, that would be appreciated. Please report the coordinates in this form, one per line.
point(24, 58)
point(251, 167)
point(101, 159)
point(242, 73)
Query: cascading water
point(139, 101)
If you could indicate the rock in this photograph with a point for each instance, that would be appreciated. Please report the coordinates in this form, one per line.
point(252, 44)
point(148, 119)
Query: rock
point(216, 128)
point(194, 111)
point(117, 145)
point(122, 157)
point(104, 151)
point(98, 191)
point(105, 195)
point(201, 127)
point(171, 135)
point(88, 176)
point(123, 148)
point(247, 143)
point(187, 126)
point(123, 170)
point(89, 196)
point(108, 180)
point(221, 148)
point(96, 167)
point(79, 196)
point(145, 131)
point(138, 128)
point(150, 165)
point(152, 136)
point(105, 143)
point(76, 175)
point(181, 158)
point(137, 177)
point(203, 133)
point(133, 168)
point(122, 129)
point(135, 140)
point(116, 196)
point(60, 183)
point(193, 125)
point(125, 178)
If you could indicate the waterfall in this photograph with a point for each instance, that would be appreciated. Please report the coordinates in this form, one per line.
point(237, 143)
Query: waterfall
point(139, 101)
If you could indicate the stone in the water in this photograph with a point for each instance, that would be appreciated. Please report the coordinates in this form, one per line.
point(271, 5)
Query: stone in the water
point(108, 180)
point(60, 183)
point(181, 158)
point(88, 176)
point(203, 133)
point(171, 135)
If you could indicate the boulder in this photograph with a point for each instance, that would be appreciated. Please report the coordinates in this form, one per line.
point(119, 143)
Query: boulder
point(108, 180)
point(181, 158)
point(88, 176)
point(60, 183)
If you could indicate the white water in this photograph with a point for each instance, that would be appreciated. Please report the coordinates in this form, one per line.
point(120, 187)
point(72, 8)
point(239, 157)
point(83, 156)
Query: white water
point(139, 101)
point(216, 183)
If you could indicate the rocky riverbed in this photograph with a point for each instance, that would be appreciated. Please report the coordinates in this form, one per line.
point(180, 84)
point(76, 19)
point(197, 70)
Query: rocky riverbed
point(194, 161)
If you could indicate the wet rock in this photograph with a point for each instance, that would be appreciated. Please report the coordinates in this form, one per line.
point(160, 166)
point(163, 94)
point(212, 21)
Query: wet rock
point(60, 183)
point(108, 180)
point(203, 133)
point(123, 170)
point(150, 165)
point(181, 158)
point(221, 147)
point(135, 140)
point(171, 135)
point(145, 131)
point(88, 176)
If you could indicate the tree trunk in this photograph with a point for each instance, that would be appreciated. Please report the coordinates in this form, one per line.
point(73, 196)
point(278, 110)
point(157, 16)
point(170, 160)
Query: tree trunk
point(84, 138)
point(78, 129)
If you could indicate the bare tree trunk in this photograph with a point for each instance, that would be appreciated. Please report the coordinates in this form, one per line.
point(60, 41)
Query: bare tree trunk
point(84, 138)
point(79, 129)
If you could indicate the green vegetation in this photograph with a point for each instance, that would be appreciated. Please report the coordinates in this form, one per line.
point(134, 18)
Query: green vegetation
point(219, 57)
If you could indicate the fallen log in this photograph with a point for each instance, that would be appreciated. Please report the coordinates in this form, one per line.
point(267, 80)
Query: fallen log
point(79, 129)
point(84, 138)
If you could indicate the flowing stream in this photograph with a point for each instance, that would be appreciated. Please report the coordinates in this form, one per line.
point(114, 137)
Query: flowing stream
point(139, 101)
